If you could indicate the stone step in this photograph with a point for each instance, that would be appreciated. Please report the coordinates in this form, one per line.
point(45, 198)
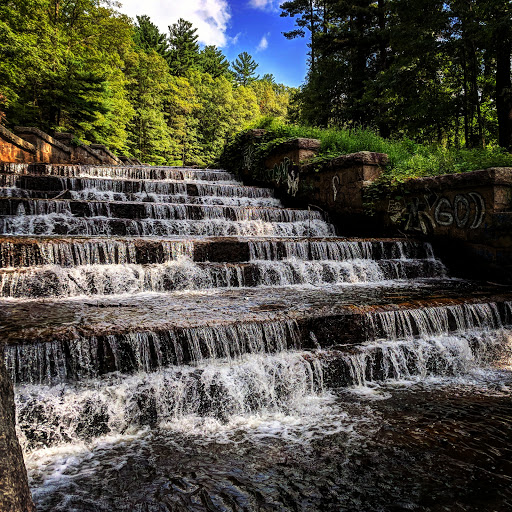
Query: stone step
point(85, 338)
point(142, 197)
point(21, 251)
point(129, 172)
point(56, 184)
point(94, 280)
point(148, 210)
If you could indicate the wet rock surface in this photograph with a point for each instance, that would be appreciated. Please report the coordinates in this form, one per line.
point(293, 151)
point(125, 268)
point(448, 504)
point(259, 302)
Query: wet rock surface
point(419, 448)
point(179, 341)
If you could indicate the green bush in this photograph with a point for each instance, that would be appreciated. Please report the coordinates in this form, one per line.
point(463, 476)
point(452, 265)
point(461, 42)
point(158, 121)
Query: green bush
point(407, 159)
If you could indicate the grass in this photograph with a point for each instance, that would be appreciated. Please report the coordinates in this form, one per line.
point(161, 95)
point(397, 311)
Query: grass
point(407, 159)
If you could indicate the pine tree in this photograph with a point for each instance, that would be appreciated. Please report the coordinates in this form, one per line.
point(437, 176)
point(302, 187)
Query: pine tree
point(244, 67)
point(184, 47)
point(147, 37)
point(213, 61)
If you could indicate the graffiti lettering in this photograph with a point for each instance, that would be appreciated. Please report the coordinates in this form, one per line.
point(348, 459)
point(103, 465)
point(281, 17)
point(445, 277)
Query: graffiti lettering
point(461, 204)
point(442, 212)
point(419, 218)
point(248, 156)
point(467, 211)
point(335, 185)
point(479, 209)
point(280, 171)
point(293, 181)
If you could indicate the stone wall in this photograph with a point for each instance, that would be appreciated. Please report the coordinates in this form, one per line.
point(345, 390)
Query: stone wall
point(335, 186)
point(467, 216)
point(31, 145)
point(14, 491)
point(108, 157)
point(81, 153)
point(295, 150)
point(15, 149)
point(49, 149)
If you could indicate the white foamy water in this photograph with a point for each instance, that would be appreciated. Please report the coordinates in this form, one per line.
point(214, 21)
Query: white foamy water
point(181, 273)
point(256, 385)
point(58, 224)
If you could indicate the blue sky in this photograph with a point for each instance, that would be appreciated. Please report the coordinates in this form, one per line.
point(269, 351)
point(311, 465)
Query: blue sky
point(235, 26)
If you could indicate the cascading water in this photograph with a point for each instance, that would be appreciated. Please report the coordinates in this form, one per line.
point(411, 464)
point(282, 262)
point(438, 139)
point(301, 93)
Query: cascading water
point(179, 341)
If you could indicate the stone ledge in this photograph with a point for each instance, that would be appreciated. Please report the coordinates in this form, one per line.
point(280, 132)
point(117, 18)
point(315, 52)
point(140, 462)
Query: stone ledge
point(350, 160)
point(44, 136)
point(104, 149)
point(299, 143)
point(491, 176)
point(77, 149)
point(17, 141)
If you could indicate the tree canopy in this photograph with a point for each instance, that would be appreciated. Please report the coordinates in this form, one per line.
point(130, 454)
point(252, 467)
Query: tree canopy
point(84, 67)
point(431, 70)
point(243, 68)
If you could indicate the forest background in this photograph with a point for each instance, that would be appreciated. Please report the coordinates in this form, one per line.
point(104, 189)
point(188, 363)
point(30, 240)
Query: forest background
point(422, 72)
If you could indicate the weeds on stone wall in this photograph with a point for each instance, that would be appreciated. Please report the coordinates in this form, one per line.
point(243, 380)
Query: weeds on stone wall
point(407, 158)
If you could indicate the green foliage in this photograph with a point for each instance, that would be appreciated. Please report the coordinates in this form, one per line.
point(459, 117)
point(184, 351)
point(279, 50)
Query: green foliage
point(213, 62)
point(407, 159)
point(147, 37)
point(184, 47)
point(84, 68)
point(59, 66)
point(244, 67)
point(430, 70)
point(149, 138)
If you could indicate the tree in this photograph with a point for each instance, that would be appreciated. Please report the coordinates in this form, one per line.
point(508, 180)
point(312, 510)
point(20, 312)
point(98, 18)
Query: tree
point(273, 99)
point(147, 37)
point(309, 20)
point(436, 71)
point(244, 67)
point(498, 14)
point(213, 61)
point(60, 66)
point(149, 136)
point(184, 47)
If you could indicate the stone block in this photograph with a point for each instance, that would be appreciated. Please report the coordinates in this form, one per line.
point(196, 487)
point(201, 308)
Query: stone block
point(81, 153)
point(48, 149)
point(108, 156)
point(14, 149)
point(14, 491)
point(469, 213)
point(295, 150)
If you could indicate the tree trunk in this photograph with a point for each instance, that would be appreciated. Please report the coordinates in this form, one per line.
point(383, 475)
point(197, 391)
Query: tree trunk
point(503, 87)
point(14, 492)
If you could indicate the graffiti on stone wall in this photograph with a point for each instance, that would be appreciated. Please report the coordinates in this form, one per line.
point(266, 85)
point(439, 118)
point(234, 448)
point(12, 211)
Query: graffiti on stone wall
point(283, 172)
point(335, 185)
point(293, 181)
point(279, 172)
point(428, 212)
point(248, 156)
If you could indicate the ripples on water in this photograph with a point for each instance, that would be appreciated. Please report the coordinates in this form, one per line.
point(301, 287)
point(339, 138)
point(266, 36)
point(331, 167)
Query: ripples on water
point(440, 444)
point(419, 417)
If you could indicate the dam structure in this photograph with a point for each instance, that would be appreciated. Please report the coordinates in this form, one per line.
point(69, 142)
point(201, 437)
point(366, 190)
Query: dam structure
point(178, 340)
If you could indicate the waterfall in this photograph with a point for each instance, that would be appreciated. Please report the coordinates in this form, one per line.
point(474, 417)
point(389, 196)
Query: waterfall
point(137, 301)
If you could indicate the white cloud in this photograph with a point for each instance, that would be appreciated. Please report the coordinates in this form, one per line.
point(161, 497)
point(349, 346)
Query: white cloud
point(234, 40)
point(265, 5)
point(210, 17)
point(263, 44)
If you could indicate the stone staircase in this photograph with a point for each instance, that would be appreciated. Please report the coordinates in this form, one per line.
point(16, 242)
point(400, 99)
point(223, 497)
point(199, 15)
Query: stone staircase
point(122, 270)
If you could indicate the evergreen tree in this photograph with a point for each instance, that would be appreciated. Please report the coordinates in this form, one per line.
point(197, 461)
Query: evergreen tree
point(213, 61)
point(184, 47)
point(149, 138)
point(244, 67)
point(147, 37)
